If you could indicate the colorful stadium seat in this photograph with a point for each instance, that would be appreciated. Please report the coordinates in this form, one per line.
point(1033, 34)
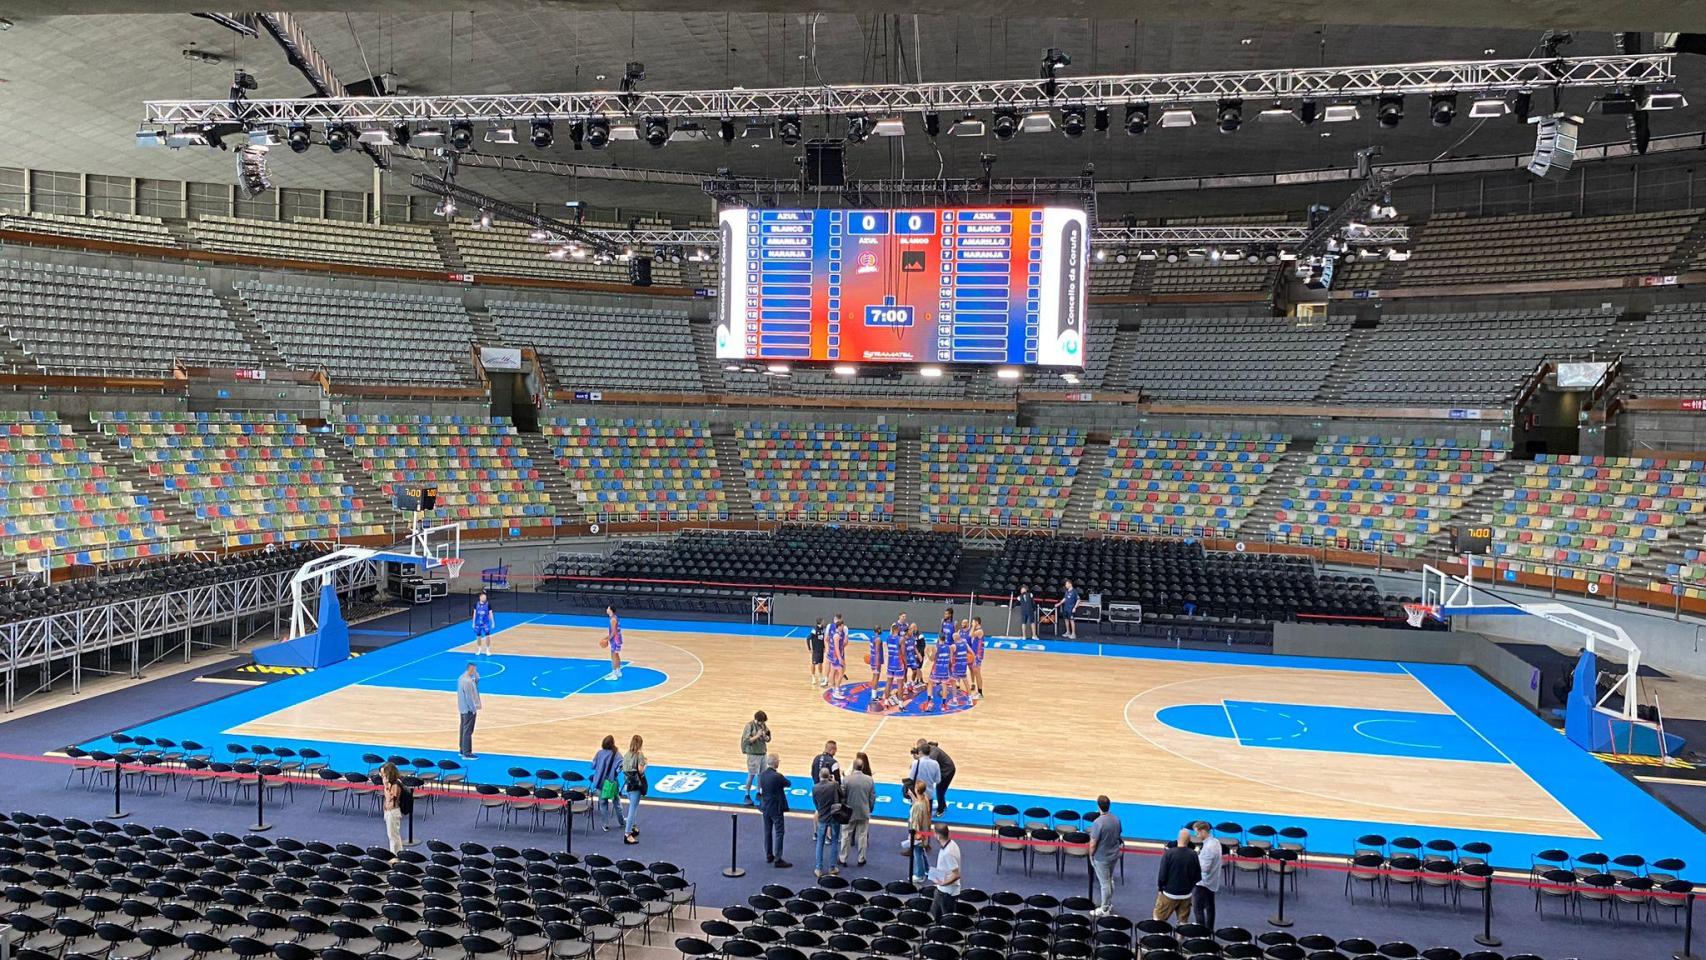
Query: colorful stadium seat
point(1382, 493)
point(1184, 482)
point(483, 475)
point(820, 471)
point(63, 504)
point(640, 469)
point(254, 478)
point(1009, 477)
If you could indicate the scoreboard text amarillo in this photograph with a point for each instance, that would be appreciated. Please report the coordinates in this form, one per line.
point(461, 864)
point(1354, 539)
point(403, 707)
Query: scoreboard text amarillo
point(934, 285)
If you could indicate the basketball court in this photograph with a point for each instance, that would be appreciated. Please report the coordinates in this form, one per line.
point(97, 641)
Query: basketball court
point(1337, 747)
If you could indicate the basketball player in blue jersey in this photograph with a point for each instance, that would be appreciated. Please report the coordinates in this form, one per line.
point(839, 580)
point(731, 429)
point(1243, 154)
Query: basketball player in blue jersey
point(835, 655)
point(976, 639)
point(874, 659)
point(613, 640)
point(914, 659)
point(941, 671)
point(961, 656)
point(947, 630)
point(483, 625)
point(894, 651)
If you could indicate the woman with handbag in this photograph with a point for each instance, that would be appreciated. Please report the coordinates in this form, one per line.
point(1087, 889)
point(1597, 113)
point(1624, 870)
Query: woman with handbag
point(634, 785)
point(607, 781)
point(918, 824)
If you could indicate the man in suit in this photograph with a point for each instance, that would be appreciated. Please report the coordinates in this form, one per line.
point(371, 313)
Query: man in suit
point(773, 802)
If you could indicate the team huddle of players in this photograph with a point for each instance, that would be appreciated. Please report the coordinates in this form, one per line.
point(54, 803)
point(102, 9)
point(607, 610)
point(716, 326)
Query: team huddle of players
point(904, 663)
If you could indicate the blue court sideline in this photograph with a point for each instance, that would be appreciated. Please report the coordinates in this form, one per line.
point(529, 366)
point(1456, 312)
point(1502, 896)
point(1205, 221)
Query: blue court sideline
point(1483, 726)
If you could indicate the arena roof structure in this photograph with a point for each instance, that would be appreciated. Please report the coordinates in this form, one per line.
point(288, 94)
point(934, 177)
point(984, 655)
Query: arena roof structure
point(72, 86)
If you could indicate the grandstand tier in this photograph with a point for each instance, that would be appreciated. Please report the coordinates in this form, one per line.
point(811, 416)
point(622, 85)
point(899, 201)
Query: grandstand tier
point(821, 471)
point(1014, 477)
point(1166, 482)
point(663, 470)
point(484, 478)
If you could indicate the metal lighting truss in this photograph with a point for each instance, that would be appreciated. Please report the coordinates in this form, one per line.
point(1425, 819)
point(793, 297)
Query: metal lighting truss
point(1234, 235)
point(1323, 83)
point(473, 200)
point(66, 639)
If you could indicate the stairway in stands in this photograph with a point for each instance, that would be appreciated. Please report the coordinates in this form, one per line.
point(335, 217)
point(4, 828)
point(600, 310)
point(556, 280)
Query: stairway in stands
point(446, 243)
point(564, 504)
point(1347, 365)
point(1479, 508)
point(732, 467)
point(339, 458)
point(705, 352)
point(1087, 488)
point(13, 357)
point(253, 333)
point(485, 331)
point(123, 466)
point(1117, 377)
point(1280, 486)
point(908, 504)
point(1692, 245)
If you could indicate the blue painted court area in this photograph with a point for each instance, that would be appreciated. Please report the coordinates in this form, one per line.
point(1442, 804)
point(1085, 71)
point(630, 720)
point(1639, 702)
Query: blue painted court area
point(1294, 726)
point(1483, 727)
point(519, 676)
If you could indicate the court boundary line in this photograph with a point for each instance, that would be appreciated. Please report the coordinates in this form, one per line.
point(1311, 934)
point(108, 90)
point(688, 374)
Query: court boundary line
point(1125, 714)
point(1484, 738)
point(529, 723)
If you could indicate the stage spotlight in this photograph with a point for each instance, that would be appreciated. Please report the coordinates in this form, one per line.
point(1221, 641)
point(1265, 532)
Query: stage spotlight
point(657, 131)
point(893, 126)
point(1178, 117)
point(298, 137)
point(1172, 255)
point(858, 128)
point(1340, 113)
point(1136, 118)
point(932, 123)
point(1307, 111)
point(1485, 108)
point(1072, 121)
point(1389, 110)
point(461, 135)
point(726, 129)
point(337, 137)
point(1101, 255)
point(1006, 123)
point(541, 133)
point(789, 129)
point(1231, 115)
point(598, 133)
point(1101, 121)
point(1442, 109)
point(967, 126)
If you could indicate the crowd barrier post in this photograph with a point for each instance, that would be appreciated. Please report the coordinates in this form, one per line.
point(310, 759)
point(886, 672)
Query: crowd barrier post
point(261, 825)
point(734, 868)
point(118, 778)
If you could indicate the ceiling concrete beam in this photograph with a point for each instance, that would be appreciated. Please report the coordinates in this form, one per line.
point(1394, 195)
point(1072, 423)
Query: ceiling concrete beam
point(1535, 14)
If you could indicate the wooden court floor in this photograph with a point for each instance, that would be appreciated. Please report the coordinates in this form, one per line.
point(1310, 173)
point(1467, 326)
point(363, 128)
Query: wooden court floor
point(1052, 725)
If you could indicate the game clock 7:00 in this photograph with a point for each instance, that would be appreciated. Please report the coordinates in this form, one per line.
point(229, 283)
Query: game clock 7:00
point(931, 285)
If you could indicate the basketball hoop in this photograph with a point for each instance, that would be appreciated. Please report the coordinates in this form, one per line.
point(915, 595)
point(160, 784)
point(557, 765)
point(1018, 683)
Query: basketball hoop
point(452, 567)
point(1416, 613)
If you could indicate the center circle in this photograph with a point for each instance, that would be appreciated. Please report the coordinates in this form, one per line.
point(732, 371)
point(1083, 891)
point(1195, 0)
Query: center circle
point(857, 698)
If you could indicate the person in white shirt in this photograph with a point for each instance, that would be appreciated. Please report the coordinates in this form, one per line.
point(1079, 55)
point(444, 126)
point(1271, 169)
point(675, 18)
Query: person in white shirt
point(1209, 856)
point(946, 875)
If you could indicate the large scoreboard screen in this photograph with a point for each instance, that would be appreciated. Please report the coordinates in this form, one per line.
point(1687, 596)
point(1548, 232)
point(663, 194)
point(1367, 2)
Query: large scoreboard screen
point(931, 285)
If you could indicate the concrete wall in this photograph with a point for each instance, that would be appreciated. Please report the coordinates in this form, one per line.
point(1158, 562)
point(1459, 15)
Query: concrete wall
point(863, 614)
point(1518, 678)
